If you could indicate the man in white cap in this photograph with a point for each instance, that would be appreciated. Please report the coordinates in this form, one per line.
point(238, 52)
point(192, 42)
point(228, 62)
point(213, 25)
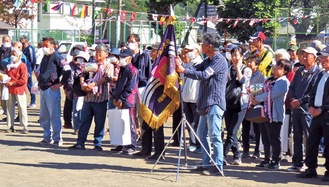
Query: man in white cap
point(299, 91)
point(319, 109)
point(190, 91)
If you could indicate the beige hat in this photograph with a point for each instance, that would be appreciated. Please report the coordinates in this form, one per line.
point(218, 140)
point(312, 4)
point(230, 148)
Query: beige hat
point(83, 54)
point(193, 46)
point(311, 50)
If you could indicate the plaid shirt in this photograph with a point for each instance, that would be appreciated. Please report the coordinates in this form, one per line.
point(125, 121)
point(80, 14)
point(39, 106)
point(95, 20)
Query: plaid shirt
point(101, 97)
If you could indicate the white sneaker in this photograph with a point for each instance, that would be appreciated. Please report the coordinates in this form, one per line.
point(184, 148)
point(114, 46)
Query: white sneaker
point(32, 106)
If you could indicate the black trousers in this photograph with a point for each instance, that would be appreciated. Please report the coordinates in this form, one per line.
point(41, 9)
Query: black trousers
point(67, 111)
point(147, 139)
point(231, 142)
point(319, 128)
point(270, 133)
point(246, 135)
point(192, 118)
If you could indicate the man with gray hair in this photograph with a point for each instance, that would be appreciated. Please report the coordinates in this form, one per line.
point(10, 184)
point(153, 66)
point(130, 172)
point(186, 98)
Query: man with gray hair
point(211, 104)
point(95, 102)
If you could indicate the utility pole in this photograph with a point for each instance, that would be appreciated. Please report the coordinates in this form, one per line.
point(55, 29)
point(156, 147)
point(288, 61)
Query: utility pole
point(117, 38)
point(205, 16)
point(93, 32)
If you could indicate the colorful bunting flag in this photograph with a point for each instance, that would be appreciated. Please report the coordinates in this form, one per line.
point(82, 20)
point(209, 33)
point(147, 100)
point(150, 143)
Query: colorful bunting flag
point(227, 21)
point(72, 9)
point(109, 11)
point(133, 16)
point(84, 11)
point(192, 19)
point(58, 6)
point(162, 20)
point(46, 6)
point(123, 16)
point(252, 22)
point(155, 17)
point(235, 23)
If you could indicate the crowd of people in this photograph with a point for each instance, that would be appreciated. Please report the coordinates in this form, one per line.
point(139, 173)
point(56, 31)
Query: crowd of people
point(216, 96)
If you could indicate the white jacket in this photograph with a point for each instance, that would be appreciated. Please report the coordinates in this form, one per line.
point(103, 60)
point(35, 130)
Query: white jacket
point(190, 87)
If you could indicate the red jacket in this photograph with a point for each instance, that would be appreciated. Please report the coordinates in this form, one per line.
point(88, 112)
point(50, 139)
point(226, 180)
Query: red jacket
point(19, 77)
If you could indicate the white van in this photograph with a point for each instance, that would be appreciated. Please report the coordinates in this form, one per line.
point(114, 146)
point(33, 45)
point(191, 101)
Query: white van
point(65, 49)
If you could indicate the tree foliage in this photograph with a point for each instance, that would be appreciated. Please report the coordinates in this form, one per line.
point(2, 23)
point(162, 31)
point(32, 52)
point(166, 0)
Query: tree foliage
point(12, 15)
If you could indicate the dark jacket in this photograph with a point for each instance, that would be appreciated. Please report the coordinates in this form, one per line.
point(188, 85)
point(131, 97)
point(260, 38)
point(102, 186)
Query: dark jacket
point(51, 69)
point(325, 101)
point(127, 86)
point(142, 62)
point(4, 52)
point(29, 52)
point(300, 86)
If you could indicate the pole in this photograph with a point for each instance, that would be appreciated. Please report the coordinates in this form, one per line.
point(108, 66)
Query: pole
point(205, 16)
point(117, 38)
point(93, 22)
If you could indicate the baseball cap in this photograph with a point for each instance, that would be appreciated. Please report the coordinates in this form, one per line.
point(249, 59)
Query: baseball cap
point(154, 46)
point(259, 35)
point(310, 50)
point(324, 52)
point(193, 46)
point(126, 53)
point(83, 54)
point(293, 48)
point(115, 51)
point(230, 47)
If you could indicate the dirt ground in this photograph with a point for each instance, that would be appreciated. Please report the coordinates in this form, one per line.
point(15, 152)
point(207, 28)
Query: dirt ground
point(24, 162)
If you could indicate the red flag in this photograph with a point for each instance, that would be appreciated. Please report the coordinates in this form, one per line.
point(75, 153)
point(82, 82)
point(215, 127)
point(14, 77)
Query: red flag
point(162, 20)
point(123, 16)
point(133, 16)
point(227, 21)
point(155, 17)
point(192, 19)
point(109, 11)
point(295, 21)
point(235, 23)
point(72, 9)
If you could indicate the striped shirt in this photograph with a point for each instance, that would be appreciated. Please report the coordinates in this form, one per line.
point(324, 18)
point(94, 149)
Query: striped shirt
point(213, 76)
point(104, 95)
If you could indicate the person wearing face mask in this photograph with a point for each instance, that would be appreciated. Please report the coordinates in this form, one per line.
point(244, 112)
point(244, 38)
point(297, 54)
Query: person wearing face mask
point(125, 96)
point(5, 51)
point(114, 59)
point(190, 92)
point(75, 92)
point(17, 71)
point(50, 79)
point(228, 55)
point(29, 52)
point(142, 61)
point(95, 102)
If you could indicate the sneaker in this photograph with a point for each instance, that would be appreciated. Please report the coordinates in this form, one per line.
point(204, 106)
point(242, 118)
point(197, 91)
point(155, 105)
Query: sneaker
point(309, 173)
point(294, 168)
point(17, 119)
point(191, 148)
point(98, 148)
point(256, 155)
point(274, 165)
point(10, 130)
point(326, 177)
point(142, 153)
point(211, 171)
point(44, 142)
point(58, 143)
point(31, 106)
point(67, 126)
point(225, 163)
point(155, 157)
point(245, 155)
point(118, 148)
point(25, 131)
point(286, 158)
point(201, 169)
point(236, 161)
point(262, 164)
point(128, 151)
point(78, 147)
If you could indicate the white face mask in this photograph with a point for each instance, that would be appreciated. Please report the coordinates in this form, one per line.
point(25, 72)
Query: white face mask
point(46, 51)
point(80, 60)
point(132, 46)
point(123, 62)
point(7, 44)
point(113, 60)
point(228, 56)
point(13, 58)
point(191, 55)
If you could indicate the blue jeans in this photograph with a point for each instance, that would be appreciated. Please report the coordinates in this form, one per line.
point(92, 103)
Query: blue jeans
point(50, 114)
point(210, 124)
point(76, 114)
point(89, 111)
point(29, 86)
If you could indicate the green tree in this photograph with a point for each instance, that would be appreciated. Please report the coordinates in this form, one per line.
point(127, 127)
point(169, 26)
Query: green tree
point(14, 15)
